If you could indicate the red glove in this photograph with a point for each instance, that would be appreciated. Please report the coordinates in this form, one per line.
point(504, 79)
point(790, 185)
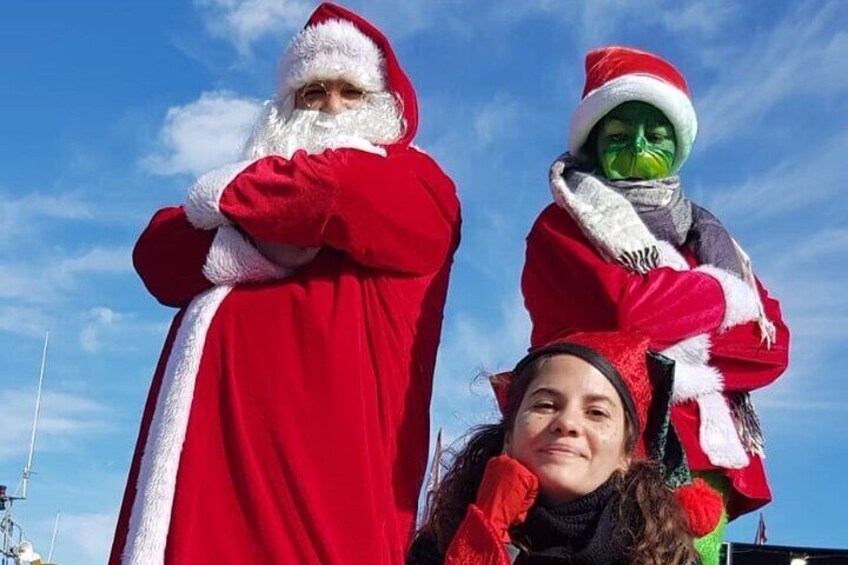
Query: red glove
point(506, 493)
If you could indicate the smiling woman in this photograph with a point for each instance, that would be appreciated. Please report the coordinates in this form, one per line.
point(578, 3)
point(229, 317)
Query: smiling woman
point(565, 477)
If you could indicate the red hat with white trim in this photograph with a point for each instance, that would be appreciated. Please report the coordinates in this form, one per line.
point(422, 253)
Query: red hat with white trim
point(615, 75)
point(332, 48)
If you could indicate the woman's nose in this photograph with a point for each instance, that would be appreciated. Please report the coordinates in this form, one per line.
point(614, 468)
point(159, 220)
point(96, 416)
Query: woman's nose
point(566, 423)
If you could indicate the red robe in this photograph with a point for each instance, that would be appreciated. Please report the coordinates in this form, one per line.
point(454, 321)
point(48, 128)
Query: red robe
point(288, 420)
point(567, 285)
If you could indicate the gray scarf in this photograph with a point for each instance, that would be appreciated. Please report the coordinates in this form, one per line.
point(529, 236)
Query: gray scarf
point(660, 205)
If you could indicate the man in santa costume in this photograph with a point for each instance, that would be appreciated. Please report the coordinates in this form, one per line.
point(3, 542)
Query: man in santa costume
point(623, 248)
point(288, 419)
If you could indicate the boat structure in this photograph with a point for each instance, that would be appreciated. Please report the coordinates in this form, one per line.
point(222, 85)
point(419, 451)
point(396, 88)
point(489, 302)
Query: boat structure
point(15, 548)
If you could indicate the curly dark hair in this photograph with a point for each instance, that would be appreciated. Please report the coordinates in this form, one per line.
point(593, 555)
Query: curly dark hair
point(653, 521)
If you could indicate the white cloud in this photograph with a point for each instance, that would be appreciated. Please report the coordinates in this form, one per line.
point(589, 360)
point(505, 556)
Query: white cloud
point(25, 321)
point(245, 22)
point(19, 214)
point(495, 119)
point(96, 260)
point(100, 319)
point(86, 536)
point(797, 182)
point(202, 135)
point(104, 329)
point(803, 55)
point(601, 21)
point(53, 277)
point(469, 347)
point(65, 419)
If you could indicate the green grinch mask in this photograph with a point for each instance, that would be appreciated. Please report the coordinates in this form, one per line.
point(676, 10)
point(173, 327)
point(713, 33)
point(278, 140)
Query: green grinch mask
point(635, 141)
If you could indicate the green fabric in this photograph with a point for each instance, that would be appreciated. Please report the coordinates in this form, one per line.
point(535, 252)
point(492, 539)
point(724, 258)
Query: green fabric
point(635, 141)
point(709, 546)
point(661, 439)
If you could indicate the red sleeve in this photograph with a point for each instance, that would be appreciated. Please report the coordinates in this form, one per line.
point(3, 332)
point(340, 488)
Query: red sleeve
point(566, 284)
point(398, 212)
point(476, 542)
point(745, 360)
point(169, 257)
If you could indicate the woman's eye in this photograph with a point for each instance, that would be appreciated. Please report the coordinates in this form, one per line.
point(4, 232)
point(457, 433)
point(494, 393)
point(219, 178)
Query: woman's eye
point(544, 405)
point(598, 413)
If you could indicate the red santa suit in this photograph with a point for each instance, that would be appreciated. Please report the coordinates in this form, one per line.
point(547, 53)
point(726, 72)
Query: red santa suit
point(725, 333)
point(288, 418)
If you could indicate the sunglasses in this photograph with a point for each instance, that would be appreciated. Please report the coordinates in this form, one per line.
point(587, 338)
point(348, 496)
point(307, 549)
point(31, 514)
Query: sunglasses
point(315, 94)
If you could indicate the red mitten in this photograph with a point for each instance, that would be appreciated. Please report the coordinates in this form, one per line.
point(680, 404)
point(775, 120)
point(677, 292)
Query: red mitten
point(506, 493)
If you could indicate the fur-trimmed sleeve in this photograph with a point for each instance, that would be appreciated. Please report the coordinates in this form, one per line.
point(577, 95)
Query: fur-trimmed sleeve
point(177, 261)
point(746, 361)
point(169, 257)
point(398, 212)
point(566, 285)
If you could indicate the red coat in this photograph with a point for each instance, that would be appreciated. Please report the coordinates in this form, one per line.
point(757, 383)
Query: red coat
point(288, 420)
point(567, 285)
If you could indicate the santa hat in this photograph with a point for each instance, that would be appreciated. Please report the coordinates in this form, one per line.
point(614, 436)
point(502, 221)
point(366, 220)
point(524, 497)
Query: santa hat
point(644, 381)
point(615, 75)
point(331, 49)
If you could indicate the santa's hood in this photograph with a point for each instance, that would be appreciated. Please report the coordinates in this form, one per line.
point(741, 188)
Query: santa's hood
point(328, 46)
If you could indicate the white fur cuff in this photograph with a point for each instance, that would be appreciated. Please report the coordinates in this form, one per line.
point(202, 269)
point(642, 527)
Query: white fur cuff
point(741, 303)
point(233, 260)
point(202, 204)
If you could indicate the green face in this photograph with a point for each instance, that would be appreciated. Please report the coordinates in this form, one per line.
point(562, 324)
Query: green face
point(635, 141)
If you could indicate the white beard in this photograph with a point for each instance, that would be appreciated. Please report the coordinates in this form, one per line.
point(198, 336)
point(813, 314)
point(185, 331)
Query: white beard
point(282, 131)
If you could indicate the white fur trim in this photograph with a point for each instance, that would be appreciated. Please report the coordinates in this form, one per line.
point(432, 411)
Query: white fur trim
point(150, 518)
point(355, 142)
point(202, 204)
point(693, 376)
point(669, 99)
point(741, 302)
point(695, 380)
point(232, 260)
point(671, 257)
point(693, 350)
point(718, 436)
point(335, 49)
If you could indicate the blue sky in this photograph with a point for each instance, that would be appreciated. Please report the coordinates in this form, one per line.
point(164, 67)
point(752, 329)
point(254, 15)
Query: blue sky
point(109, 109)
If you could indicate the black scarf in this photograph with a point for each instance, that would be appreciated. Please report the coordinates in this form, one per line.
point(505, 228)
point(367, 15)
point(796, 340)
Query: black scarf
point(580, 532)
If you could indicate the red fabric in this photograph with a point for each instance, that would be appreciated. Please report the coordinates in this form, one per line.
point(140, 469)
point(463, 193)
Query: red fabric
point(702, 504)
point(609, 63)
point(308, 431)
point(506, 493)
point(173, 273)
point(476, 542)
point(130, 491)
point(567, 286)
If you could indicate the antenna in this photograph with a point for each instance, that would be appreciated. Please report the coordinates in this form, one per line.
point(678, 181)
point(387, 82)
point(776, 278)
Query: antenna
point(23, 550)
point(53, 541)
point(28, 469)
